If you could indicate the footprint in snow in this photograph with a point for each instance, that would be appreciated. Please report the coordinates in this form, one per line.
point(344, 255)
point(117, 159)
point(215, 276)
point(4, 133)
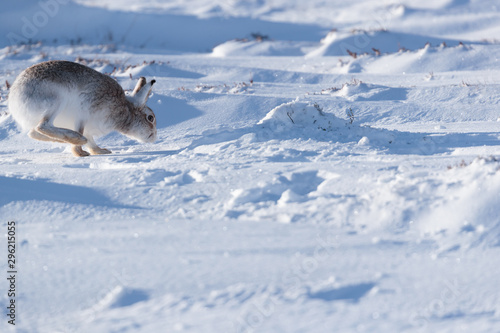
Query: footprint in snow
point(352, 293)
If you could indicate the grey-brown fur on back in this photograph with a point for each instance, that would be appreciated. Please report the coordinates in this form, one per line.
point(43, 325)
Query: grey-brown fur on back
point(65, 72)
point(96, 88)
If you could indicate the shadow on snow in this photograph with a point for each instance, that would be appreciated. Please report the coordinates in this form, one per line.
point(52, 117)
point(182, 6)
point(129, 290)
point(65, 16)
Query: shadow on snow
point(15, 189)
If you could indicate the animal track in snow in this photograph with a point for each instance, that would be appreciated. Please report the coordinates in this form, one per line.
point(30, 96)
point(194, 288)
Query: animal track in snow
point(352, 293)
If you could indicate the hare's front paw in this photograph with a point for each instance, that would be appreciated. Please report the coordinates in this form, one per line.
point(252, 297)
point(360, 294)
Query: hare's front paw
point(79, 152)
point(99, 151)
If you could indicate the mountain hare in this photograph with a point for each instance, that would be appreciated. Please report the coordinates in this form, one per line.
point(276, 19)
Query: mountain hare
point(63, 101)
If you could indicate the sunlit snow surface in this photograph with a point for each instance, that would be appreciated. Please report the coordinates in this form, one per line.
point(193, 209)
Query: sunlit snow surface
point(321, 166)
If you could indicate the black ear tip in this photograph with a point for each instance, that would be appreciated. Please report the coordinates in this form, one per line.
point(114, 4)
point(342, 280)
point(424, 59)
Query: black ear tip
point(153, 82)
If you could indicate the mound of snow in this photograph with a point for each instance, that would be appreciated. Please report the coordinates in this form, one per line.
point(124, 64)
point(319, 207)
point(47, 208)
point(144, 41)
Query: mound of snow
point(357, 42)
point(7, 124)
point(302, 115)
point(120, 297)
point(433, 59)
point(360, 91)
point(308, 120)
point(471, 209)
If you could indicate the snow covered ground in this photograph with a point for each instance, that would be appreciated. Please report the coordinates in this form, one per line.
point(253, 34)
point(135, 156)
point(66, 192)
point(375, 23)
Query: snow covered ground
point(322, 166)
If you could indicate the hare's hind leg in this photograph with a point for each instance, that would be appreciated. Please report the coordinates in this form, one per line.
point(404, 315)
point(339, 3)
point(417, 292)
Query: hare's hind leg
point(47, 128)
point(77, 150)
point(94, 149)
point(41, 137)
point(49, 132)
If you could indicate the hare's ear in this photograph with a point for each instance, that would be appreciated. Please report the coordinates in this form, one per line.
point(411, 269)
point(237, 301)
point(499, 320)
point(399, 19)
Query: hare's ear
point(141, 83)
point(141, 92)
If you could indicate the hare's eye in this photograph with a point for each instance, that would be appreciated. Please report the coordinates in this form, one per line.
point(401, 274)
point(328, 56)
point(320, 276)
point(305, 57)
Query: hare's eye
point(151, 118)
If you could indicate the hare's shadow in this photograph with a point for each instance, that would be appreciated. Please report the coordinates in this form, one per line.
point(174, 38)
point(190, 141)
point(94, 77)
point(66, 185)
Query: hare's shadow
point(15, 189)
